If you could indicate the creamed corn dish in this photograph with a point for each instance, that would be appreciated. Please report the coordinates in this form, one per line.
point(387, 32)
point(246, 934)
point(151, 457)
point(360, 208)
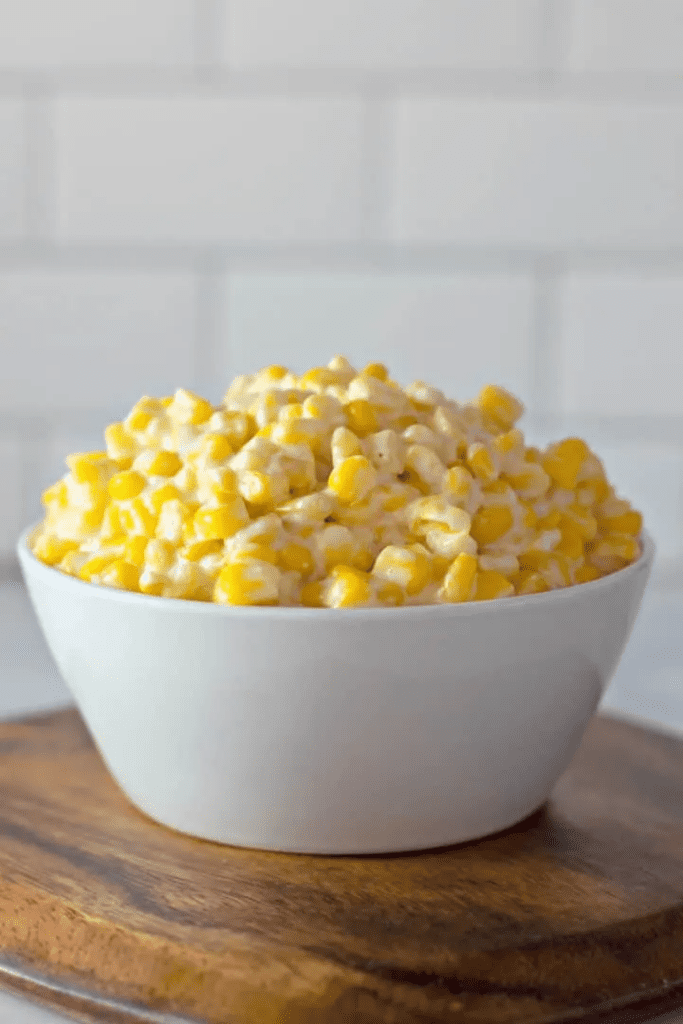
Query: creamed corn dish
point(334, 489)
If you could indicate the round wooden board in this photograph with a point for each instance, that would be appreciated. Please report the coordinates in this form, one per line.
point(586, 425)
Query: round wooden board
point(575, 914)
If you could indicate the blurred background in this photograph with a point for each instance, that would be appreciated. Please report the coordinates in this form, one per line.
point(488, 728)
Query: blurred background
point(469, 190)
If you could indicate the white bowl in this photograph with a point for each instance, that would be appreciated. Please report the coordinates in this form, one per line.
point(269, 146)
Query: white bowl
point(336, 731)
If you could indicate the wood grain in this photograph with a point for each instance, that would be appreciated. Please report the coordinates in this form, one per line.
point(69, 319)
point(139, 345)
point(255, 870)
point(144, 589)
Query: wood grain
point(573, 914)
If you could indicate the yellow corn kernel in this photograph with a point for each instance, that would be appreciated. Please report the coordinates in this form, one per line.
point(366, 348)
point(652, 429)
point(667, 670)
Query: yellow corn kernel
point(511, 441)
point(458, 483)
point(581, 519)
point(121, 574)
point(349, 588)
point(317, 379)
point(352, 479)
point(216, 447)
point(164, 463)
point(491, 523)
point(554, 565)
point(423, 513)
point(51, 549)
point(410, 569)
point(111, 523)
point(167, 492)
point(312, 595)
point(390, 594)
point(138, 519)
point(592, 491)
point(531, 483)
point(72, 562)
point(586, 574)
point(88, 467)
point(571, 543)
point(187, 407)
point(491, 585)
point(57, 495)
point(247, 583)
point(361, 417)
point(344, 444)
point(95, 565)
point(527, 581)
point(377, 370)
point(621, 545)
point(630, 522)
point(297, 557)
point(120, 444)
point(134, 549)
point(261, 488)
point(425, 462)
point(447, 543)
point(159, 555)
point(126, 485)
point(149, 583)
point(499, 405)
point(199, 549)
point(260, 552)
point(458, 584)
point(563, 461)
point(481, 463)
point(222, 522)
point(530, 518)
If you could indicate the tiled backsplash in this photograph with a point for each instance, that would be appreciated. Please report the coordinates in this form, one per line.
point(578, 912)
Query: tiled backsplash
point(471, 190)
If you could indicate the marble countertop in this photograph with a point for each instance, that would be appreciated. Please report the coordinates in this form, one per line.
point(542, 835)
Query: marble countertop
point(648, 685)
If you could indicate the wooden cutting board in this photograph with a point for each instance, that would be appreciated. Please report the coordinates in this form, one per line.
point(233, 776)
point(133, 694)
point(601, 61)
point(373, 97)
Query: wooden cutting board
point(574, 915)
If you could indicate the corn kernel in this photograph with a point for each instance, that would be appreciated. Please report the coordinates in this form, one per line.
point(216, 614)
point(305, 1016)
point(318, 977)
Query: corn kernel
point(491, 523)
point(222, 522)
point(481, 463)
point(527, 581)
point(447, 543)
point(349, 588)
point(424, 461)
point(531, 482)
point(163, 463)
point(138, 519)
point(51, 549)
point(377, 370)
point(120, 443)
point(586, 574)
point(312, 595)
point(352, 479)
point(159, 555)
point(55, 495)
point(581, 519)
point(458, 584)
point(111, 522)
point(344, 444)
point(630, 522)
point(134, 549)
point(247, 583)
point(262, 488)
point(361, 418)
point(251, 552)
point(200, 549)
point(297, 557)
point(390, 594)
point(563, 461)
point(499, 405)
point(126, 485)
point(410, 569)
point(187, 408)
point(89, 467)
point(317, 379)
point(491, 585)
point(94, 566)
point(120, 574)
point(167, 492)
point(571, 543)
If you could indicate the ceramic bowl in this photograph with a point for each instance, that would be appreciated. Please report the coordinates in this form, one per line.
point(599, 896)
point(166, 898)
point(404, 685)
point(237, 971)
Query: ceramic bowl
point(341, 731)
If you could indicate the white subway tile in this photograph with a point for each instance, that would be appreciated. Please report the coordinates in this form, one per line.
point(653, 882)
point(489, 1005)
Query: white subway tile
point(650, 476)
point(43, 34)
point(11, 506)
point(549, 174)
point(627, 35)
point(620, 345)
point(382, 34)
point(12, 159)
point(457, 332)
point(209, 169)
point(77, 341)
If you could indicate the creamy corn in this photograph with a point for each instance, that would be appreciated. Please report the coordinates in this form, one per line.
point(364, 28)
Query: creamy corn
point(337, 488)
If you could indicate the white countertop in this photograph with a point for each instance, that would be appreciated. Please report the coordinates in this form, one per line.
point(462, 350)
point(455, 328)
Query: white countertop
point(648, 683)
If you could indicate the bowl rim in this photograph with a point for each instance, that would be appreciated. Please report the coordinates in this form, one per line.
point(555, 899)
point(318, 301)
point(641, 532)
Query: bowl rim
point(456, 609)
